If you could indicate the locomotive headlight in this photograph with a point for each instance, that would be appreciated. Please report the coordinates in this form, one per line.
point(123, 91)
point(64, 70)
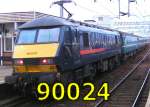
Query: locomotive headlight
point(19, 62)
point(47, 61)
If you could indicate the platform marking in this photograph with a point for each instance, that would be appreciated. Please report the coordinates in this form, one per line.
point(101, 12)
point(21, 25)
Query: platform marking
point(148, 101)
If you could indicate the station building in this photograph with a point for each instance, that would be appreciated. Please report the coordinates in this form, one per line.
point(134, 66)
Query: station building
point(9, 22)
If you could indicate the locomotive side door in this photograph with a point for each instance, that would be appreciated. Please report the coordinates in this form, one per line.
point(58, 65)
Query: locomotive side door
point(71, 49)
point(75, 46)
point(67, 54)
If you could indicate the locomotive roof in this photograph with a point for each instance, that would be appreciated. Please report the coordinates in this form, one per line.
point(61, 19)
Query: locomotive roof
point(106, 31)
point(129, 34)
point(45, 22)
point(51, 21)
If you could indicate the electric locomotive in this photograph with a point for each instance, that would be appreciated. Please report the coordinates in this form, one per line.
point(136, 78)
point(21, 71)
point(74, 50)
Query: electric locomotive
point(53, 49)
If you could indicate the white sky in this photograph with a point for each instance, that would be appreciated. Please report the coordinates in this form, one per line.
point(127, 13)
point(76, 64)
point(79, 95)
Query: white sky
point(83, 10)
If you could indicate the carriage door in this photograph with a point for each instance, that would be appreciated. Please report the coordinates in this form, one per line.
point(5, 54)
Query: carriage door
point(75, 46)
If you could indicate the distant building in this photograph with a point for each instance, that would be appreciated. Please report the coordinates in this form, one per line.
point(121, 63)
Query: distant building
point(134, 25)
point(9, 23)
point(138, 27)
point(105, 21)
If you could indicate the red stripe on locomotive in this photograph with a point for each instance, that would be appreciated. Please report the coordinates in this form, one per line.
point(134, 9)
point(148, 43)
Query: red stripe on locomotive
point(91, 51)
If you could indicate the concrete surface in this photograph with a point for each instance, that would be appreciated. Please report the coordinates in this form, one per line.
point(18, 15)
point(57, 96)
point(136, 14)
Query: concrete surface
point(5, 71)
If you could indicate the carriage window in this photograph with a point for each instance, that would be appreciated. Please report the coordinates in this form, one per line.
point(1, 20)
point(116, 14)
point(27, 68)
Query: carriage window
point(85, 40)
point(92, 39)
point(74, 35)
point(118, 40)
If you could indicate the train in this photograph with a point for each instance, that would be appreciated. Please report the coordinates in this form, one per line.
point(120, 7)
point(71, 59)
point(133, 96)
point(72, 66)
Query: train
point(52, 49)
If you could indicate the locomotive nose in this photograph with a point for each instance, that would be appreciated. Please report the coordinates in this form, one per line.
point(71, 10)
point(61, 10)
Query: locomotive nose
point(35, 58)
point(35, 51)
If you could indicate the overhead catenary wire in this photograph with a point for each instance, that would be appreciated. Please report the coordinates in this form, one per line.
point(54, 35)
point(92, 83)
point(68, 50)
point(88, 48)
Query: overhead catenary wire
point(137, 8)
point(139, 12)
point(140, 16)
point(91, 10)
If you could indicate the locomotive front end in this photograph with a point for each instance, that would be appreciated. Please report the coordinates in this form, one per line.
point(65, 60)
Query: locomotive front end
point(34, 57)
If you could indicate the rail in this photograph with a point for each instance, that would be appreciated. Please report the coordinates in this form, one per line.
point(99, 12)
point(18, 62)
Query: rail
point(141, 89)
point(124, 78)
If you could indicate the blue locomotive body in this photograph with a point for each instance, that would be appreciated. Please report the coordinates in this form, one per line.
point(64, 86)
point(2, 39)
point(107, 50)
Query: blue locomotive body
point(80, 50)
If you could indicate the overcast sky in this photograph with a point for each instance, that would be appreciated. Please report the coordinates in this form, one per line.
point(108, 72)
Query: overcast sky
point(83, 10)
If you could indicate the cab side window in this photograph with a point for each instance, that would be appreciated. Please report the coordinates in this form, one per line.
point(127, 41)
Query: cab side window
point(67, 35)
point(85, 40)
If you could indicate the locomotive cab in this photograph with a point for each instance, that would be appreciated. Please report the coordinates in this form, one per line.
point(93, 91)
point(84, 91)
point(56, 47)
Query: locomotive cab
point(42, 53)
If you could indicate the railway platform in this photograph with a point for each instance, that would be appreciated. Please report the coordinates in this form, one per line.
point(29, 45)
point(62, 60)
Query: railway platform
point(5, 71)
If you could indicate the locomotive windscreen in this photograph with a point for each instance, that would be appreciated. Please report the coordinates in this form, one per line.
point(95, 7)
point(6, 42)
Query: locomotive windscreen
point(26, 37)
point(38, 36)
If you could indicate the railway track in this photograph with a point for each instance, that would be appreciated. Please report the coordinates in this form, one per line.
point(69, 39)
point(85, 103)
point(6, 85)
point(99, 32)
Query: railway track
point(13, 102)
point(6, 91)
point(141, 89)
point(66, 103)
point(110, 77)
point(123, 93)
point(9, 97)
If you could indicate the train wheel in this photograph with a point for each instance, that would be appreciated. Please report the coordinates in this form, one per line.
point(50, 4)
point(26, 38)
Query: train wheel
point(111, 64)
point(105, 65)
point(91, 72)
point(125, 57)
point(66, 78)
point(117, 61)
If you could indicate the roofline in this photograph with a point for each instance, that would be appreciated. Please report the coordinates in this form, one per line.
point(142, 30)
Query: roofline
point(21, 12)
